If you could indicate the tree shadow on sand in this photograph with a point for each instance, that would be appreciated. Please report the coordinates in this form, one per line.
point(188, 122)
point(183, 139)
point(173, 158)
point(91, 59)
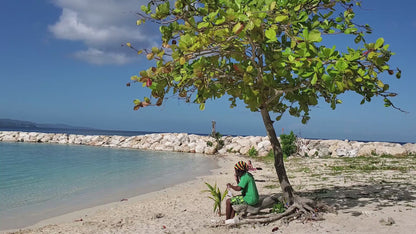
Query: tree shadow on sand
point(382, 194)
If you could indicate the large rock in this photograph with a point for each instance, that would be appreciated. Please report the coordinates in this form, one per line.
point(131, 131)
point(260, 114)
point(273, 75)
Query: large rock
point(410, 148)
point(391, 149)
point(367, 150)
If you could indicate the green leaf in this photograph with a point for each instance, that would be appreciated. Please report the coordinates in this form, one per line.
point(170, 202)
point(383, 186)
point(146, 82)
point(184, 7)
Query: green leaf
point(182, 61)
point(209, 186)
point(237, 28)
point(136, 102)
point(272, 6)
point(379, 43)
point(203, 25)
point(281, 18)
point(144, 8)
point(358, 39)
point(315, 36)
point(202, 106)
point(340, 85)
point(314, 79)
point(220, 21)
point(215, 206)
point(341, 65)
point(270, 34)
point(380, 83)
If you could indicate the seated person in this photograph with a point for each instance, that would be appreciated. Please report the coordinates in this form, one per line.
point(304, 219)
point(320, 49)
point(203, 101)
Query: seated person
point(246, 185)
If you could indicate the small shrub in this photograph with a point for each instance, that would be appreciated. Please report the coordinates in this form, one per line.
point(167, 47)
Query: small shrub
point(288, 144)
point(252, 152)
point(216, 196)
point(209, 143)
point(220, 143)
point(278, 208)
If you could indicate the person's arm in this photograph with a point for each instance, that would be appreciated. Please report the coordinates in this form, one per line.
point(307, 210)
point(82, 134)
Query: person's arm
point(236, 188)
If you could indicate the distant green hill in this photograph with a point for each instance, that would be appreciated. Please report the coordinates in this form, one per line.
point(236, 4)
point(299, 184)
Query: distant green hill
point(12, 123)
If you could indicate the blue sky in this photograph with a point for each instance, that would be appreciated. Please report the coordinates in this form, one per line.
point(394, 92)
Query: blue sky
point(61, 62)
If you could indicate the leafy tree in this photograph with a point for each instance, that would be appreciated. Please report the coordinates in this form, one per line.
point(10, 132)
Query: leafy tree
point(271, 54)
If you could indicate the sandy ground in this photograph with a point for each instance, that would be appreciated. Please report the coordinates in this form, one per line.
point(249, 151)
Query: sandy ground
point(369, 199)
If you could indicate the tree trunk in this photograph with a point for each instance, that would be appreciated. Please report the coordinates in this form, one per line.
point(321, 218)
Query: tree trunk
point(278, 157)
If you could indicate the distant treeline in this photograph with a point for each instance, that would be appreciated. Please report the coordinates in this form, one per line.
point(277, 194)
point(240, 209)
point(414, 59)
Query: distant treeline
point(11, 123)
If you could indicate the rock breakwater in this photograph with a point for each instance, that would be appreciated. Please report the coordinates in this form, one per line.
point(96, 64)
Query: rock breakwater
point(191, 143)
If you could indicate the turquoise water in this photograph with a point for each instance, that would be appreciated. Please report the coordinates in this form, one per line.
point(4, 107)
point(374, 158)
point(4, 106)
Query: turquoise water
point(39, 181)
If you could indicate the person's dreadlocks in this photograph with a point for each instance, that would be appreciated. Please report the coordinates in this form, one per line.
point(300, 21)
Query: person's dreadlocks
point(240, 169)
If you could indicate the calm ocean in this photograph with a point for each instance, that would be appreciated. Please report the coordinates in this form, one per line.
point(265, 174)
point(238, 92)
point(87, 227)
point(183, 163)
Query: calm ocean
point(38, 181)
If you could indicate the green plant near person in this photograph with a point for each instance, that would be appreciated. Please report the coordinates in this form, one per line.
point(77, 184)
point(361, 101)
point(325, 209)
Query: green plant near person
point(252, 152)
point(278, 208)
point(288, 144)
point(216, 196)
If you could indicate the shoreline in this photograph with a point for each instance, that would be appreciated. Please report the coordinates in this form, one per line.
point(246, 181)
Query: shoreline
point(364, 201)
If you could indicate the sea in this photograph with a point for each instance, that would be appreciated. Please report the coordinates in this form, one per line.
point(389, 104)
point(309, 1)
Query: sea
point(40, 181)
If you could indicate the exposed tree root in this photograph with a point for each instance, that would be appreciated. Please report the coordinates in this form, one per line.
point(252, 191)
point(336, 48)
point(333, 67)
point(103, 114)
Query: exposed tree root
point(302, 209)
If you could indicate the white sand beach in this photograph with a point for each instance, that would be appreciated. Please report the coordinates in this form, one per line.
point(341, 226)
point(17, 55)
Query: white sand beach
point(383, 201)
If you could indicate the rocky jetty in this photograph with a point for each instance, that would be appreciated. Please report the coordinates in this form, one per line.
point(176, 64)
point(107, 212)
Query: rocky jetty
point(183, 142)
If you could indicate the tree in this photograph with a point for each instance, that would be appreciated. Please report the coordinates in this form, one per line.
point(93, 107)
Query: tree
point(270, 54)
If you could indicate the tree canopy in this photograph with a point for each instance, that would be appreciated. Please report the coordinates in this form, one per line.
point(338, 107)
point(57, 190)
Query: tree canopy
point(269, 53)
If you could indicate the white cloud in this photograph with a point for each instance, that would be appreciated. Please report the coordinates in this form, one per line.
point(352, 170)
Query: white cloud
point(102, 25)
point(100, 57)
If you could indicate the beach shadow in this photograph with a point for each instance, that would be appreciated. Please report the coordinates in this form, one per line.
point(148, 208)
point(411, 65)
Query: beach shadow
point(383, 194)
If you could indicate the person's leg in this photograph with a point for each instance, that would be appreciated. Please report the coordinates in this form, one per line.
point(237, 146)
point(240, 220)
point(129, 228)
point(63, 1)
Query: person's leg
point(228, 209)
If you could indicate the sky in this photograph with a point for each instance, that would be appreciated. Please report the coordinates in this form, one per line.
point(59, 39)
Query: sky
point(61, 62)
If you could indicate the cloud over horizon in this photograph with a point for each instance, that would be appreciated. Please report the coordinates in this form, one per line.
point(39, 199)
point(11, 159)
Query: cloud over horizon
point(102, 26)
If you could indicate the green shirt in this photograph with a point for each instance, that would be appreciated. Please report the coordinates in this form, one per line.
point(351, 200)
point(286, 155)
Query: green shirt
point(249, 189)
